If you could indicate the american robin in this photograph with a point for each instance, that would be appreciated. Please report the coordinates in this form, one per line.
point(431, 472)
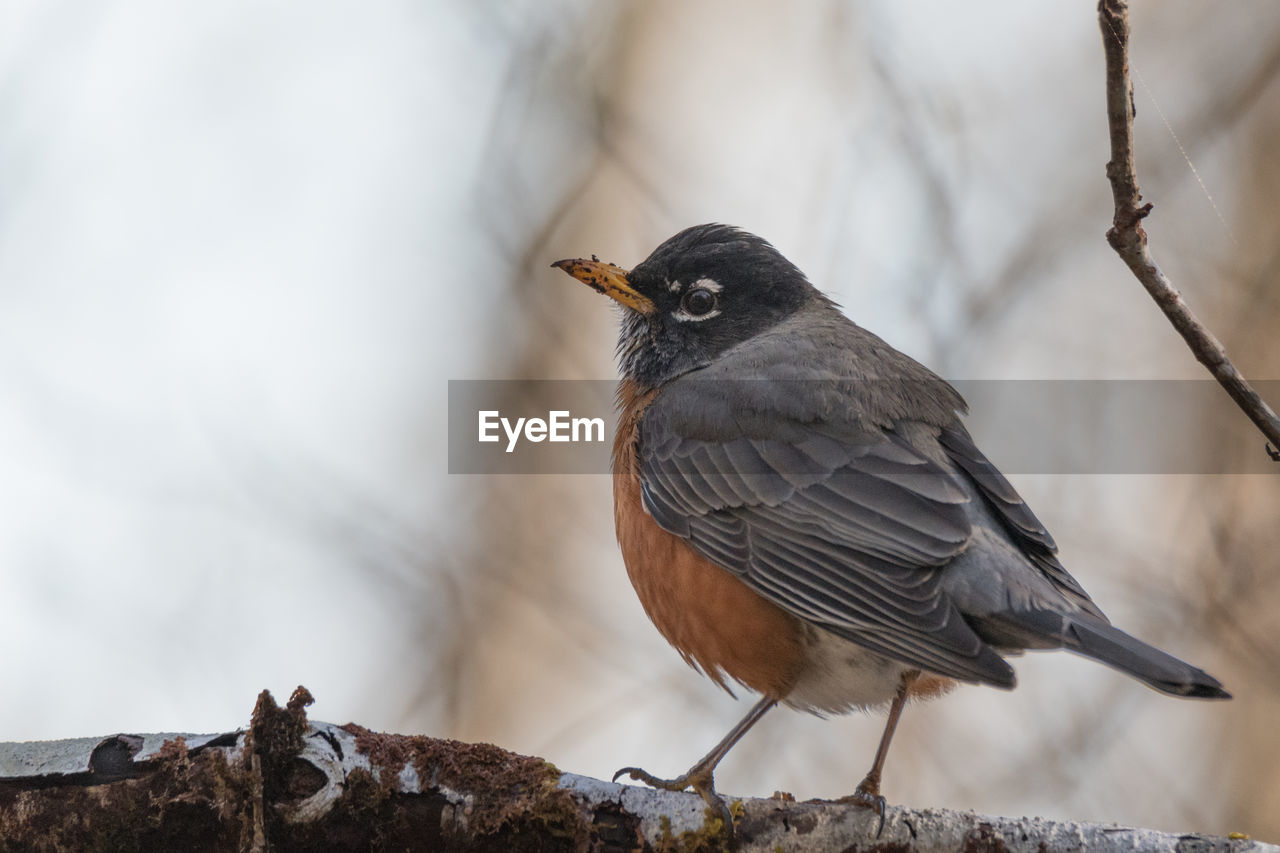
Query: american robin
point(801, 510)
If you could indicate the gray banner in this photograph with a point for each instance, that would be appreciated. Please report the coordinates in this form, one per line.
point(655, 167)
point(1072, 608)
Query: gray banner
point(1023, 426)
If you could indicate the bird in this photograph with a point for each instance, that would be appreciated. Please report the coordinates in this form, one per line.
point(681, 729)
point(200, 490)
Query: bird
point(802, 511)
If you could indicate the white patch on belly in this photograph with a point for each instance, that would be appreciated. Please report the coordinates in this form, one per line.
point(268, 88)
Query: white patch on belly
point(842, 676)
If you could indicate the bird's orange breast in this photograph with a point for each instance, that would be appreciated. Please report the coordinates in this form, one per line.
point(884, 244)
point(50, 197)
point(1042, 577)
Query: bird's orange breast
point(713, 619)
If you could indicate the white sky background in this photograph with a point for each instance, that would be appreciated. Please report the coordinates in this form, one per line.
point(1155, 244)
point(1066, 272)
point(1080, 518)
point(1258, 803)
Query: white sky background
point(244, 245)
point(223, 237)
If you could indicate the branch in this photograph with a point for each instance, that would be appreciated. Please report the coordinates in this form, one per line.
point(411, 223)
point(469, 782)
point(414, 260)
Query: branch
point(1129, 240)
point(286, 784)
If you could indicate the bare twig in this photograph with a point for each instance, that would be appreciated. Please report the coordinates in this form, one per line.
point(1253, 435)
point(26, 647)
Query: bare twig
point(1129, 240)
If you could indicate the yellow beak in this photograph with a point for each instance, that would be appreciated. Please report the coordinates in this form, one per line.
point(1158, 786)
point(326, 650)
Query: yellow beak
point(609, 280)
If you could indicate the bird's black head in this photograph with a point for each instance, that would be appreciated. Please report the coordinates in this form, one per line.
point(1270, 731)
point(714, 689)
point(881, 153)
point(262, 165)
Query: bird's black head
point(701, 292)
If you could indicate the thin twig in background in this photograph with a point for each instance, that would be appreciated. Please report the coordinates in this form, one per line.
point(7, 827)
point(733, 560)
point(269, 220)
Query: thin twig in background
point(1129, 240)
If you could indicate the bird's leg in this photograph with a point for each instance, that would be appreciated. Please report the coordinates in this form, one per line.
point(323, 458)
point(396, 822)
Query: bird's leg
point(868, 792)
point(699, 777)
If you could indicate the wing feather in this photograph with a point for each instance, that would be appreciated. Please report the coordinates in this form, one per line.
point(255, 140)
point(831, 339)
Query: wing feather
point(1018, 519)
point(849, 534)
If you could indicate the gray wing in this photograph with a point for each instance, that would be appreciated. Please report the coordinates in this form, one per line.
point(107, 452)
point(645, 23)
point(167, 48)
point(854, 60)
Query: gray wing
point(1086, 631)
point(844, 525)
point(1019, 521)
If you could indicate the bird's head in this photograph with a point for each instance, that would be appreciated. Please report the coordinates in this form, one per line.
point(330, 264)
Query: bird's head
point(700, 293)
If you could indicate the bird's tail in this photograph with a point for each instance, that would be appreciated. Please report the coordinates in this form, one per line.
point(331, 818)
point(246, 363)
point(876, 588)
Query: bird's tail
point(1097, 639)
point(1107, 644)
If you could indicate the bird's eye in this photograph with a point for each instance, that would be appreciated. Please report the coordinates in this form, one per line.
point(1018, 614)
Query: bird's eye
point(698, 301)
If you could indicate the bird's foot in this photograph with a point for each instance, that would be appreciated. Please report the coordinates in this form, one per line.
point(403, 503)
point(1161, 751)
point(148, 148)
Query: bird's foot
point(868, 796)
point(699, 779)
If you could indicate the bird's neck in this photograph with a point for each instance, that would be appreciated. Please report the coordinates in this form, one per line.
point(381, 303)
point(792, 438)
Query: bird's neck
point(646, 358)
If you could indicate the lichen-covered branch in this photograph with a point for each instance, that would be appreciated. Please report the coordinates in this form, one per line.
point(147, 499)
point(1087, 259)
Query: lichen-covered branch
point(1128, 238)
point(287, 784)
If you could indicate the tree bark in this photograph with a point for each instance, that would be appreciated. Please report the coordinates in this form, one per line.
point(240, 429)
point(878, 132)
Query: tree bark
point(287, 784)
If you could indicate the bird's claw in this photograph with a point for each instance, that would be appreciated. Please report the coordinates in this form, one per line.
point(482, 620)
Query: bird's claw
point(702, 782)
point(649, 779)
point(869, 799)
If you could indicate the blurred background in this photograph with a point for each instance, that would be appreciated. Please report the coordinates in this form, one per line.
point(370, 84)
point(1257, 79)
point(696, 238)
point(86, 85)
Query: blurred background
point(244, 245)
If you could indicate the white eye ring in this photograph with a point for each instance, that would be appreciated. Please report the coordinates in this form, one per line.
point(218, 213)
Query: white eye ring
point(696, 290)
